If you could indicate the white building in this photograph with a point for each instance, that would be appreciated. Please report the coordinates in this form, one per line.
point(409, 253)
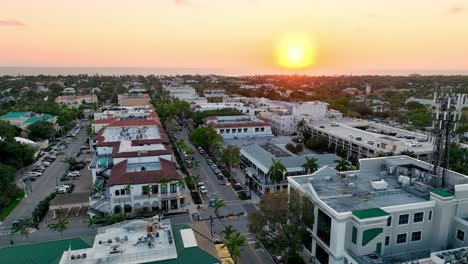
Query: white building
point(75, 101)
point(184, 92)
point(69, 90)
point(242, 126)
point(214, 93)
point(282, 121)
point(389, 211)
point(145, 241)
point(357, 138)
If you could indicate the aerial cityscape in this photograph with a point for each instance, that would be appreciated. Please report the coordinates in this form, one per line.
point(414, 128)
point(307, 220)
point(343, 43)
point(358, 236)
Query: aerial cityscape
point(249, 131)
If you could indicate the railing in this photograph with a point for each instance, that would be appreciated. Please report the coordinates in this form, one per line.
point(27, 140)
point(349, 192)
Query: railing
point(166, 195)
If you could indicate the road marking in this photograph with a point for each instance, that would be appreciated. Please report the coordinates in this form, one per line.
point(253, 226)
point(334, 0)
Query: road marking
point(5, 232)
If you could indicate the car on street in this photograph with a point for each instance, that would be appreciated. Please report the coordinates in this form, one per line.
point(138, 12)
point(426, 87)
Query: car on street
point(74, 174)
point(200, 183)
point(34, 173)
point(220, 176)
point(217, 171)
point(45, 164)
point(77, 167)
point(210, 162)
point(39, 169)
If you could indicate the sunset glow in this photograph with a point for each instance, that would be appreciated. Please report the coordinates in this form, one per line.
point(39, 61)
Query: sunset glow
point(296, 51)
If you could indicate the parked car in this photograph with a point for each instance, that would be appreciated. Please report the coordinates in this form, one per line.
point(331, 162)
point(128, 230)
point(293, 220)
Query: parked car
point(217, 171)
point(77, 167)
point(45, 163)
point(74, 174)
point(39, 169)
point(220, 176)
point(203, 189)
point(34, 173)
point(17, 222)
point(28, 178)
point(62, 189)
point(200, 183)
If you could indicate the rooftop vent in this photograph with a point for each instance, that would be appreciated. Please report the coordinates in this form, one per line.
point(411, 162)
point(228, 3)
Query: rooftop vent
point(351, 184)
point(379, 184)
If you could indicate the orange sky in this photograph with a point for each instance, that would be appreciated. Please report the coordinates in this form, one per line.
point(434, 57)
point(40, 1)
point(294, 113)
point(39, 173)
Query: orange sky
point(352, 36)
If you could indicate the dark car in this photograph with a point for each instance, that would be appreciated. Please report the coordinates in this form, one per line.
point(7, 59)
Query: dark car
point(78, 166)
point(29, 178)
point(17, 222)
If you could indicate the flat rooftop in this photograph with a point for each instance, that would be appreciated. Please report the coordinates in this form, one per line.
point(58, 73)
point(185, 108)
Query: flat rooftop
point(347, 130)
point(113, 134)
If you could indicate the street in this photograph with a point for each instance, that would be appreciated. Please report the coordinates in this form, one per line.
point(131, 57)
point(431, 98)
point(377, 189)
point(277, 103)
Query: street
point(233, 205)
point(45, 184)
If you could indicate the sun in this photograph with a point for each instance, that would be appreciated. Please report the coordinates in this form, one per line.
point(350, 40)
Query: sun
point(296, 51)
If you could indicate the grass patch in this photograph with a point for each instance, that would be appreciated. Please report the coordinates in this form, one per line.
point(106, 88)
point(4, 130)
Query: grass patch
point(12, 205)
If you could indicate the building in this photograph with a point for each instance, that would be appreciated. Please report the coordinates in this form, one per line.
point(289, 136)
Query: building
point(133, 99)
point(357, 139)
point(214, 93)
point(24, 119)
point(388, 211)
point(75, 101)
point(244, 108)
point(281, 120)
point(241, 126)
point(69, 90)
point(184, 92)
point(133, 163)
point(257, 160)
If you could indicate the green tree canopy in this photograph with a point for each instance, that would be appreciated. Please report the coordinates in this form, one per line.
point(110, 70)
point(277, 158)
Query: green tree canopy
point(206, 137)
point(7, 130)
point(231, 157)
point(277, 171)
point(310, 165)
point(41, 130)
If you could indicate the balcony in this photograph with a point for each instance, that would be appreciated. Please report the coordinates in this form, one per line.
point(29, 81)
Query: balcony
point(159, 196)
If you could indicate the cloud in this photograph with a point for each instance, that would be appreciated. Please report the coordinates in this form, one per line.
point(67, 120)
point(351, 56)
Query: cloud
point(457, 10)
point(11, 22)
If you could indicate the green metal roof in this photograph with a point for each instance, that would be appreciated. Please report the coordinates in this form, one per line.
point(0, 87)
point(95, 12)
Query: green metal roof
point(192, 255)
point(442, 192)
point(40, 253)
point(369, 213)
point(14, 114)
point(47, 116)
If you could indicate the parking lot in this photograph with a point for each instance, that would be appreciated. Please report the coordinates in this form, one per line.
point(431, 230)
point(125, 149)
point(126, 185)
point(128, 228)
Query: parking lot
point(45, 184)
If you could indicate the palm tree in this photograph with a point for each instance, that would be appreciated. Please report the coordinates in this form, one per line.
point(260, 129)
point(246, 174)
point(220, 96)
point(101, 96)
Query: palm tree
point(23, 227)
point(408, 153)
point(59, 226)
point(276, 172)
point(217, 205)
point(301, 125)
point(235, 242)
point(343, 165)
point(128, 190)
point(92, 221)
point(310, 165)
point(97, 189)
point(228, 230)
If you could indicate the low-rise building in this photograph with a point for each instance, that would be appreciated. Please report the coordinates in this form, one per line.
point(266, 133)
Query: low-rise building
point(357, 139)
point(24, 119)
point(391, 210)
point(133, 99)
point(241, 126)
point(69, 90)
point(184, 92)
point(257, 160)
point(146, 241)
point(75, 101)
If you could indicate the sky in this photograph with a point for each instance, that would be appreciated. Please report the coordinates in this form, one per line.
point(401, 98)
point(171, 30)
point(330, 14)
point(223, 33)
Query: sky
point(239, 36)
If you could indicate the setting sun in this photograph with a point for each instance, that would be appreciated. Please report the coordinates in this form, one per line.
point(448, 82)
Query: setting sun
point(296, 51)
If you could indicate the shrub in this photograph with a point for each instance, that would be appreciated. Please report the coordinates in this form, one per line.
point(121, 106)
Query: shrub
point(41, 209)
point(242, 195)
point(196, 197)
point(298, 140)
point(116, 218)
point(291, 147)
point(299, 148)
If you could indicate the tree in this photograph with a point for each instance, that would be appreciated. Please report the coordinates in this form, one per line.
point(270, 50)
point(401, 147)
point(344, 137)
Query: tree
point(301, 126)
point(92, 221)
point(231, 157)
point(276, 172)
point(228, 230)
point(59, 226)
point(408, 153)
point(23, 227)
point(70, 161)
point(343, 165)
point(7, 131)
point(41, 130)
point(234, 243)
point(207, 138)
point(291, 148)
point(218, 205)
point(310, 165)
point(281, 221)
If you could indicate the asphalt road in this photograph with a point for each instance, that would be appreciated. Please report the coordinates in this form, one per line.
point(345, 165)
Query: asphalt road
point(44, 184)
point(233, 205)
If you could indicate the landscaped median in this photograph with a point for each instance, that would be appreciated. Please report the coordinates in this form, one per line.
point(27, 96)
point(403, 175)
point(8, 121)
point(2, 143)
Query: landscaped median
point(11, 205)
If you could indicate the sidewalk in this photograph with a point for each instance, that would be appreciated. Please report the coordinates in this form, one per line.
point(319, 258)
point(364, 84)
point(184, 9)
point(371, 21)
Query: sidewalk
point(239, 177)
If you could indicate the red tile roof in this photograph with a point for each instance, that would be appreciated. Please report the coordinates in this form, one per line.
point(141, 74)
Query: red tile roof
point(120, 176)
point(108, 120)
point(134, 122)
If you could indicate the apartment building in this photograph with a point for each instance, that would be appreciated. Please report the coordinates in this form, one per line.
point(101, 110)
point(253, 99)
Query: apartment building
point(392, 210)
point(241, 126)
point(185, 92)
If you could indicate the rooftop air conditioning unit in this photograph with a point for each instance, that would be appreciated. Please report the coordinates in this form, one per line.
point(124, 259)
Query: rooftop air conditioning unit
point(379, 184)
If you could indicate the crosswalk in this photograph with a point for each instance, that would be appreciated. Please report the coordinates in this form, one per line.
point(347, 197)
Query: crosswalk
point(5, 232)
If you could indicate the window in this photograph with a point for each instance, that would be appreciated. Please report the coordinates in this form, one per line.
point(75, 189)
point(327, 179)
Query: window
point(239, 130)
point(155, 189)
point(354, 235)
point(429, 217)
point(256, 129)
point(418, 217)
point(163, 188)
point(173, 204)
point(387, 241)
point(173, 188)
point(404, 219)
point(323, 227)
point(262, 129)
point(321, 255)
point(401, 238)
point(245, 130)
point(416, 236)
point(145, 190)
point(117, 192)
point(221, 131)
point(389, 221)
point(228, 130)
point(460, 235)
